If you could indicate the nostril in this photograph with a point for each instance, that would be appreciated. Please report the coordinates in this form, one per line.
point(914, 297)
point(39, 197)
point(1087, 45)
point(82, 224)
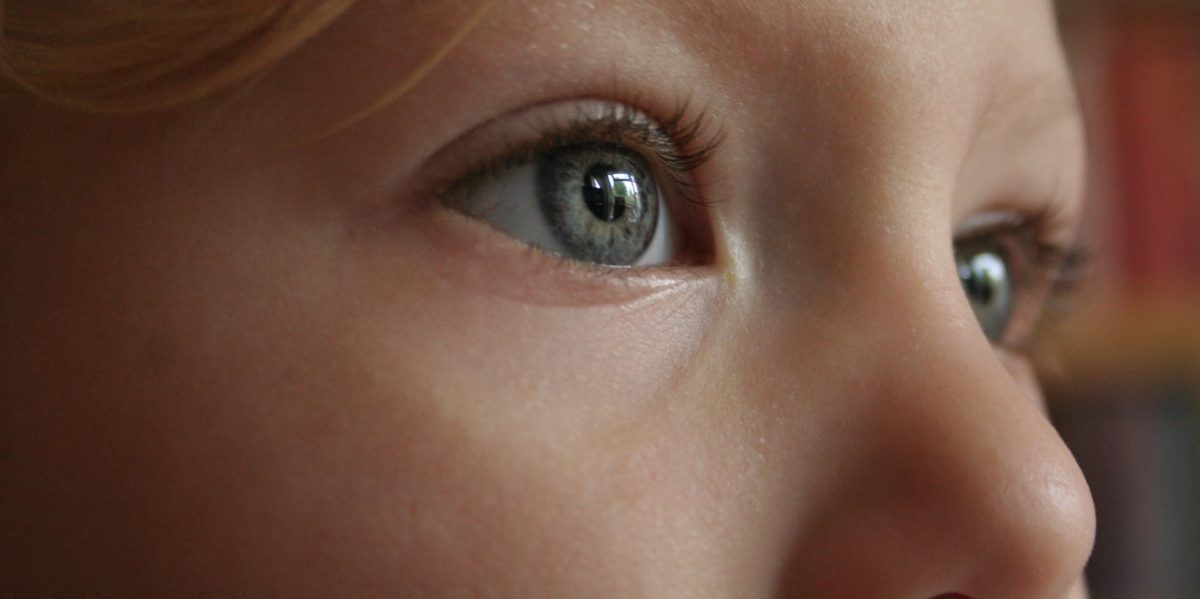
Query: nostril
point(952, 596)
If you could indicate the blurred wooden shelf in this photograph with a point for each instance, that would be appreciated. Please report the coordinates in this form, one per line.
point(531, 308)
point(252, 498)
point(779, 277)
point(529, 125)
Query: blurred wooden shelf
point(1075, 10)
point(1130, 342)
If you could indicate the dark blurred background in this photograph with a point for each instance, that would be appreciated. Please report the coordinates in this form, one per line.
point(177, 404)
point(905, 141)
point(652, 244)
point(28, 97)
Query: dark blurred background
point(1123, 378)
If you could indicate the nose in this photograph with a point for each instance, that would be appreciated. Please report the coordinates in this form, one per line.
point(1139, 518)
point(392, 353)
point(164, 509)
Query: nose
point(955, 484)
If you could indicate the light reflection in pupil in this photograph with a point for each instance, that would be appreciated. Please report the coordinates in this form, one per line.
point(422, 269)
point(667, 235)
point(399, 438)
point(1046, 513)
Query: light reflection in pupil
point(610, 193)
point(982, 274)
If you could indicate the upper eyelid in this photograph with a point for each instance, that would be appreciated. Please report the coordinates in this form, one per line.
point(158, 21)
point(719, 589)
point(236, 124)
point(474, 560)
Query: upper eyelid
point(683, 143)
point(1040, 260)
point(1033, 230)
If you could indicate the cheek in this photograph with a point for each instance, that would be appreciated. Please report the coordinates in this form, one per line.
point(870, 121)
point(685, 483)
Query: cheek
point(253, 402)
point(390, 418)
point(492, 333)
point(481, 432)
point(234, 398)
point(578, 368)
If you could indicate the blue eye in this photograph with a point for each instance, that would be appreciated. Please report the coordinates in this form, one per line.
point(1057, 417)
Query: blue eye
point(595, 182)
point(592, 202)
point(1014, 280)
point(600, 201)
point(985, 275)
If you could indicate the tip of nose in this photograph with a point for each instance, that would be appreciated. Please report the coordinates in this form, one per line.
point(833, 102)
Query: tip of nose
point(1046, 533)
point(1067, 514)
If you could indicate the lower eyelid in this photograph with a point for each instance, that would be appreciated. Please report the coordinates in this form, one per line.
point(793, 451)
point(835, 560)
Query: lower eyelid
point(482, 260)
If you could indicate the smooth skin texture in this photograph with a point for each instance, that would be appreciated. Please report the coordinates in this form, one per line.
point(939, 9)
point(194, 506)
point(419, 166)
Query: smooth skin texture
point(236, 364)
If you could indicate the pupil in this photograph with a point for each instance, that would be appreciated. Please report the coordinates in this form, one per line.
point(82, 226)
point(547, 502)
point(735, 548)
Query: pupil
point(985, 279)
point(980, 274)
point(988, 292)
point(983, 287)
point(610, 194)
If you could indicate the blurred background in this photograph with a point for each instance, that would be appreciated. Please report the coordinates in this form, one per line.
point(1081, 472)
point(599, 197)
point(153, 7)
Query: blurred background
point(1123, 380)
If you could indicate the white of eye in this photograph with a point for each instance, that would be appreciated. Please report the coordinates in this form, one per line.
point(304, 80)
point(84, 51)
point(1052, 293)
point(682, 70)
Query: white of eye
point(509, 202)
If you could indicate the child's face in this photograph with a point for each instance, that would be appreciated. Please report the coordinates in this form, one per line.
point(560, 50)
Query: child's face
point(234, 362)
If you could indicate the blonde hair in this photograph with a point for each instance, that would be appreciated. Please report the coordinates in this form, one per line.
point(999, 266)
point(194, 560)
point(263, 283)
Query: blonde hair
point(125, 56)
point(137, 55)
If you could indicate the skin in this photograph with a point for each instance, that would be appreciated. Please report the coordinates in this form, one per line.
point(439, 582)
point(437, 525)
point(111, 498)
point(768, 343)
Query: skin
point(231, 363)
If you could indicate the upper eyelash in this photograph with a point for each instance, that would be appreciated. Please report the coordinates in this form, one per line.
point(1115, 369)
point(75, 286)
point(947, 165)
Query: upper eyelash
point(683, 143)
point(1062, 262)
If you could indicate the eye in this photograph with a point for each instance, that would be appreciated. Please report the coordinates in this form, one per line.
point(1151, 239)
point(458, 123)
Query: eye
point(984, 273)
point(592, 202)
point(1012, 279)
point(601, 202)
point(599, 183)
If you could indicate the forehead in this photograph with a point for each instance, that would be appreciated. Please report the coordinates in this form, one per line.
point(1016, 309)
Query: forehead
point(998, 52)
point(916, 84)
point(963, 52)
point(1004, 54)
point(1006, 33)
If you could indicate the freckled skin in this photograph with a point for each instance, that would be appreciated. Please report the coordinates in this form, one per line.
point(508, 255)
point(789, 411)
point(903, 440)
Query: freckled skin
point(230, 364)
